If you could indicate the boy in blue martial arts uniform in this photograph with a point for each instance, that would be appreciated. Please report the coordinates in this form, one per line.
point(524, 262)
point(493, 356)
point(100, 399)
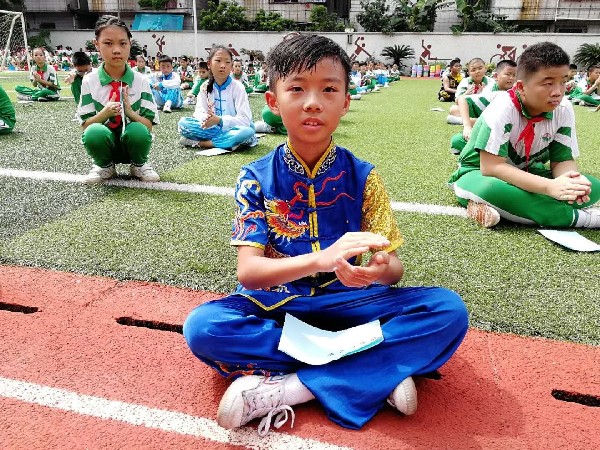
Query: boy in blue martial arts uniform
point(306, 213)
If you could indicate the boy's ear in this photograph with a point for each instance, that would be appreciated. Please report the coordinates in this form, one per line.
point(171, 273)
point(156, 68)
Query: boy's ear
point(272, 103)
point(346, 104)
point(519, 85)
point(95, 42)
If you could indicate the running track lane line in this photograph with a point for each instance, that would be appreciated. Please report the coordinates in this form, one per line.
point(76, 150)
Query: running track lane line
point(203, 189)
point(160, 419)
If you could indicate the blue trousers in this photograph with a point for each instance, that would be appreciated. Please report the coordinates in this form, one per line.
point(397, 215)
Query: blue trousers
point(191, 128)
point(422, 328)
point(161, 96)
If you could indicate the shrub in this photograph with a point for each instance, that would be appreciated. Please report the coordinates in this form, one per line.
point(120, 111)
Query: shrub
point(224, 16)
point(272, 21)
point(324, 21)
point(398, 53)
point(587, 55)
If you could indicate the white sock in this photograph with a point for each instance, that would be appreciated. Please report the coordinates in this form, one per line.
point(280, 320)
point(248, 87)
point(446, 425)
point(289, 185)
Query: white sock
point(295, 391)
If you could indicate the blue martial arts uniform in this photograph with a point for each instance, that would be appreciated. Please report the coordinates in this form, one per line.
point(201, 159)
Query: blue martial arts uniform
point(286, 209)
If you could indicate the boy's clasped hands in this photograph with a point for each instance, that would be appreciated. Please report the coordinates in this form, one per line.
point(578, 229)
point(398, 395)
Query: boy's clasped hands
point(571, 187)
point(335, 258)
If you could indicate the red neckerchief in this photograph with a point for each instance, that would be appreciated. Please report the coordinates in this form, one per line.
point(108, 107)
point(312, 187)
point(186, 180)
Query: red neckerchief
point(528, 133)
point(115, 88)
point(40, 73)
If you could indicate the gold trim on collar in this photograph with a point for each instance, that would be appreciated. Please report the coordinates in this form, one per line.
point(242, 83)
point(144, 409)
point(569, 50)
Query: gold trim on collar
point(313, 173)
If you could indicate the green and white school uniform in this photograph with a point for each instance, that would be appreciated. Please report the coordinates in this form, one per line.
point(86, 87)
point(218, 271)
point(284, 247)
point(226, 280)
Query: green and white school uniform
point(146, 71)
point(593, 98)
point(466, 83)
point(505, 130)
point(47, 73)
point(110, 143)
point(7, 113)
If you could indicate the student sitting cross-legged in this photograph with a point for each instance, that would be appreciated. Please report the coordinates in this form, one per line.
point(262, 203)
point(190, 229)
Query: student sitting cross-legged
point(222, 117)
point(306, 214)
point(502, 169)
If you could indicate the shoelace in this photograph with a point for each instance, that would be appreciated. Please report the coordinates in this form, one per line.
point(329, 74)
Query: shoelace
point(279, 415)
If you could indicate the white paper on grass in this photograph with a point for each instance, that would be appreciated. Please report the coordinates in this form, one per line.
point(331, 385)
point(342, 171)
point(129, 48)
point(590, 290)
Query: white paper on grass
point(314, 346)
point(571, 240)
point(212, 152)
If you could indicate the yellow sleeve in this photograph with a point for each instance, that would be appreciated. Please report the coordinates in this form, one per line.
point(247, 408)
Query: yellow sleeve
point(377, 215)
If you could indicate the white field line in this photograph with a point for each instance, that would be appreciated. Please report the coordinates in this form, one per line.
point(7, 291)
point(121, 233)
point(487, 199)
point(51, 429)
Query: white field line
point(160, 419)
point(203, 189)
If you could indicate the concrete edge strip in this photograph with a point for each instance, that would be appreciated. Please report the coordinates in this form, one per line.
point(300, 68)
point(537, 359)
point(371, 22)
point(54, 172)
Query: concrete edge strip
point(160, 419)
point(422, 208)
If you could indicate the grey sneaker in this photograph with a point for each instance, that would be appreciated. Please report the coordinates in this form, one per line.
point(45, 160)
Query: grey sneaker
point(185, 142)
point(144, 173)
point(26, 98)
point(251, 397)
point(43, 99)
point(98, 174)
point(591, 217)
point(260, 126)
point(404, 397)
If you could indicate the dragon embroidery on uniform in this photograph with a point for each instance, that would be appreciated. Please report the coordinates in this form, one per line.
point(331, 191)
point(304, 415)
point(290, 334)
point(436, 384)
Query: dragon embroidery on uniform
point(240, 230)
point(286, 224)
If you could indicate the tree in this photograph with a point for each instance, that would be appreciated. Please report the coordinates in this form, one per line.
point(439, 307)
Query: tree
point(398, 53)
point(407, 15)
point(324, 21)
point(224, 16)
point(42, 40)
point(587, 55)
point(476, 17)
point(374, 16)
point(136, 49)
point(154, 4)
point(272, 21)
point(14, 5)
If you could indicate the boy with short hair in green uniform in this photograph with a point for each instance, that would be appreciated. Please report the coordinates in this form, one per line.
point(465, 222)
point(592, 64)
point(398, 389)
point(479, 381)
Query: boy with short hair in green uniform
point(116, 110)
point(44, 79)
point(472, 106)
point(83, 65)
point(238, 74)
point(502, 171)
point(186, 73)
point(589, 87)
point(474, 84)
point(260, 78)
point(7, 113)
point(203, 75)
point(141, 67)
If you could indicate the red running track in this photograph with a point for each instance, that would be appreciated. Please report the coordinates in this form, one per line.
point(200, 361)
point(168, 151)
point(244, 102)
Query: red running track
point(495, 393)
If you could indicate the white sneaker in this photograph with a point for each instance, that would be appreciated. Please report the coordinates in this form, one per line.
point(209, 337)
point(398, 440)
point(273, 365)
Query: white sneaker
point(483, 214)
point(251, 397)
point(454, 120)
point(189, 100)
point(98, 174)
point(591, 217)
point(355, 97)
point(260, 126)
point(185, 142)
point(26, 98)
point(404, 397)
point(144, 172)
point(167, 107)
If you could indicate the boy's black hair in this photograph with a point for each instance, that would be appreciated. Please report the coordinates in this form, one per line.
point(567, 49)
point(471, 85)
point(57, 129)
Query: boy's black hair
point(538, 56)
point(453, 62)
point(165, 59)
point(474, 60)
point(300, 53)
point(183, 58)
point(573, 66)
point(110, 21)
point(362, 63)
point(592, 67)
point(203, 65)
point(80, 59)
point(505, 63)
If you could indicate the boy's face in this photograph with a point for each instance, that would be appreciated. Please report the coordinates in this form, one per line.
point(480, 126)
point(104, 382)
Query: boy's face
point(38, 57)
point(363, 69)
point(237, 68)
point(543, 90)
point(506, 78)
point(476, 71)
point(354, 67)
point(183, 63)
point(83, 69)
point(455, 69)
point(572, 73)
point(594, 74)
point(311, 104)
point(203, 73)
point(166, 67)
point(140, 62)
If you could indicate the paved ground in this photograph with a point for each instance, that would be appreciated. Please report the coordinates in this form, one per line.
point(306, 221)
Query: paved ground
point(72, 376)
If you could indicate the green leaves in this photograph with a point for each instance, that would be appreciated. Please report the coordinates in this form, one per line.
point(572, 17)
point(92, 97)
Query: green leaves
point(587, 55)
point(398, 53)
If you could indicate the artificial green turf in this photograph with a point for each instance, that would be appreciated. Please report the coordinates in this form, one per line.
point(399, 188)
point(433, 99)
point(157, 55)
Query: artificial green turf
point(511, 278)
